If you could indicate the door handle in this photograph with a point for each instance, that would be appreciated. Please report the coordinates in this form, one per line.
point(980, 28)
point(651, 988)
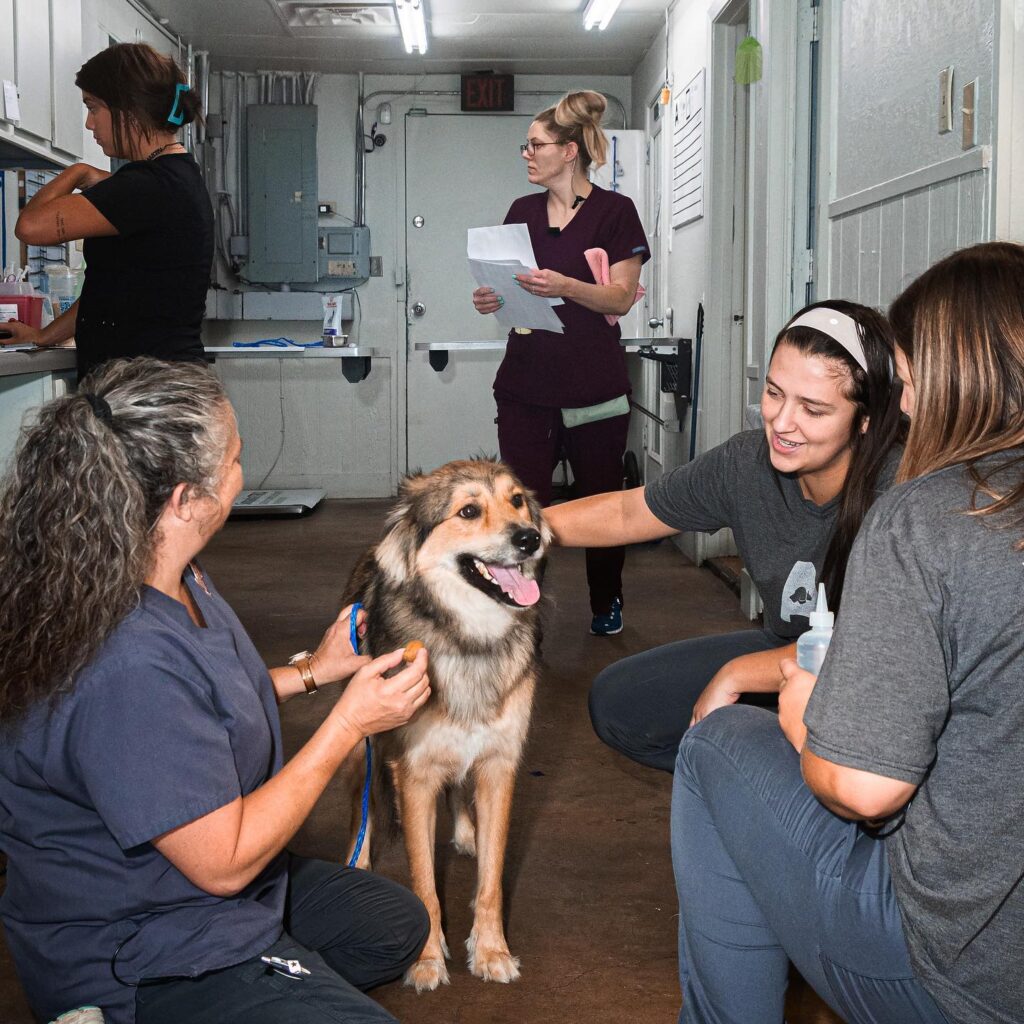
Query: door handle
point(654, 323)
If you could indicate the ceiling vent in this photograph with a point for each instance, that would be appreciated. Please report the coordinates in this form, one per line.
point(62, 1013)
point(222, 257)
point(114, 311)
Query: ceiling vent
point(299, 14)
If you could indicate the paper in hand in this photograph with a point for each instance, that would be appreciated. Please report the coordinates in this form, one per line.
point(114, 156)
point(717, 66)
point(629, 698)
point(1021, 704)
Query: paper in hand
point(496, 255)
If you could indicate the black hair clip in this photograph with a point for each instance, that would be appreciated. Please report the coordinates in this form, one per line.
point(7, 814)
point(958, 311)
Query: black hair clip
point(100, 407)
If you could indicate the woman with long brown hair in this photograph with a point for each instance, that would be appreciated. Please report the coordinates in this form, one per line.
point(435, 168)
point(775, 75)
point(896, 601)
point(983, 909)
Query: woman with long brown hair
point(145, 804)
point(148, 226)
point(890, 874)
point(794, 494)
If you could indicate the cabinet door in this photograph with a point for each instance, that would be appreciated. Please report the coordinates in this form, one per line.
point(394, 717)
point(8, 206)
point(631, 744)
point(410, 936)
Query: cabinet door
point(6, 43)
point(32, 58)
point(68, 112)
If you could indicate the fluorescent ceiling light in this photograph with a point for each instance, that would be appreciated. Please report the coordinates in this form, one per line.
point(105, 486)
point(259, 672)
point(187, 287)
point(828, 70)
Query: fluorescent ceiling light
point(599, 13)
point(413, 24)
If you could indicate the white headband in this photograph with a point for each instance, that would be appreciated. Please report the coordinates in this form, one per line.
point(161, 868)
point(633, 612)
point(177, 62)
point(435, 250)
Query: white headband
point(838, 326)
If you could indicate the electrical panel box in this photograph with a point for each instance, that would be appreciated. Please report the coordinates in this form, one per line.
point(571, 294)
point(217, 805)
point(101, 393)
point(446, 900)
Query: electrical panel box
point(344, 254)
point(282, 192)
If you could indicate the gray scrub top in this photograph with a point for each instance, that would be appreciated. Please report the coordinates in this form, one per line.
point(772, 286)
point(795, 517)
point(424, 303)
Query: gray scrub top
point(167, 723)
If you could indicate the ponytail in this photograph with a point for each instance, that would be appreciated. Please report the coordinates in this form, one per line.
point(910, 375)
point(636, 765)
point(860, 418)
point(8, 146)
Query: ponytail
point(79, 509)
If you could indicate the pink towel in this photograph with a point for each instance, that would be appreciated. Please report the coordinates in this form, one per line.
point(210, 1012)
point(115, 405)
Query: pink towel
point(597, 260)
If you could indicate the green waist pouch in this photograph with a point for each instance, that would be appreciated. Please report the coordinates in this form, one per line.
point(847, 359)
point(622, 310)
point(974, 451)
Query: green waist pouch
point(592, 413)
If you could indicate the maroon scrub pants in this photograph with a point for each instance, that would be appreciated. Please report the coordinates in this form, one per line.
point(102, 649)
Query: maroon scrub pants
point(531, 439)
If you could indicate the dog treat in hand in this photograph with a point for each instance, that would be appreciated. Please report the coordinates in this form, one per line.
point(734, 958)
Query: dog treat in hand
point(412, 648)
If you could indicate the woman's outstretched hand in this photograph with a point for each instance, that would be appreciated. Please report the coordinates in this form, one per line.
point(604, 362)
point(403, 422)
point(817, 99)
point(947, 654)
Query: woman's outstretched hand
point(375, 702)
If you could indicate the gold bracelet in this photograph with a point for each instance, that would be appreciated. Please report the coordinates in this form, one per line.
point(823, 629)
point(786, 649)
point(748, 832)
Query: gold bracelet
point(302, 662)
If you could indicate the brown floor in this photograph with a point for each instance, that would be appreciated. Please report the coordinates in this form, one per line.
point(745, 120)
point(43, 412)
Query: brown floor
point(591, 905)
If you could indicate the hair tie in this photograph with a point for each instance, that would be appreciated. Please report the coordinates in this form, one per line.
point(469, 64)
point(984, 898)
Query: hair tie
point(101, 408)
point(177, 115)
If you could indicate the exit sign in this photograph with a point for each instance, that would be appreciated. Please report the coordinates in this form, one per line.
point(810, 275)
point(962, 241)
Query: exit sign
point(488, 92)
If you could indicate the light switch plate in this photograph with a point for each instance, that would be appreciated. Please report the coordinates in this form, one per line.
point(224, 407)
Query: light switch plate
point(969, 136)
point(946, 100)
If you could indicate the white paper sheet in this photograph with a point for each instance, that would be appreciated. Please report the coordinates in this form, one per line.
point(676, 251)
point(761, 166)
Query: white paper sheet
point(521, 309)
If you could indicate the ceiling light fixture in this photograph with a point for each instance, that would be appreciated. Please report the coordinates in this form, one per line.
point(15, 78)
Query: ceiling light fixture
point(413, 24)
point(599, 13)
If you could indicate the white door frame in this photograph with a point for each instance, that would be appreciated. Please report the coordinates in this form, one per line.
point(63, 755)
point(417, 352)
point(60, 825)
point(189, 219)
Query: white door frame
point(769, 235)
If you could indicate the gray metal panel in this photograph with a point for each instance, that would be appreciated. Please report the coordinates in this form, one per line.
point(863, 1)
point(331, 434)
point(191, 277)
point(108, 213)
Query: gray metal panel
point(282, 178)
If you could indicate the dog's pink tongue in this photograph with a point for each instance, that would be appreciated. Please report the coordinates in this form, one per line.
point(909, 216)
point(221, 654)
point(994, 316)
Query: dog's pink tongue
point(515, 584)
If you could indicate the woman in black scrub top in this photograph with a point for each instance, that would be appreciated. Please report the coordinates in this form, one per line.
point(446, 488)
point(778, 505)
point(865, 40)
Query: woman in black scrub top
point(148, 226)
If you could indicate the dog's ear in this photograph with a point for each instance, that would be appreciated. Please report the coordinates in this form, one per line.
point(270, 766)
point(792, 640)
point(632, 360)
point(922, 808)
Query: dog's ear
point(408, 525)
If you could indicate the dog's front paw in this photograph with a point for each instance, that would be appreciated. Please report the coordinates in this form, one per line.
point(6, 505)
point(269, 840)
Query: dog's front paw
point(425, 975)
point(492, 963)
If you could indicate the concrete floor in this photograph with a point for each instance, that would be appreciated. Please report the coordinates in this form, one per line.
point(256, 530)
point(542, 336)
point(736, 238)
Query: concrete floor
point(590, 901)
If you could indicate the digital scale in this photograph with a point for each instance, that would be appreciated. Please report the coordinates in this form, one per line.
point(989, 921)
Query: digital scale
point(276, 502)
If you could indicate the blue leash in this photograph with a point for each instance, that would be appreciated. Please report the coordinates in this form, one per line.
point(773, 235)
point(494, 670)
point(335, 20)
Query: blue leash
point(353, 636)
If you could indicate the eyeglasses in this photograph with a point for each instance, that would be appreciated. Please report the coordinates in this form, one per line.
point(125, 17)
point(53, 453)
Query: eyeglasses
point(531, 147)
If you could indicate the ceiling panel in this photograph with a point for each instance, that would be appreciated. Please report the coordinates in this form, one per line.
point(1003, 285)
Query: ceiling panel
point(524, 37)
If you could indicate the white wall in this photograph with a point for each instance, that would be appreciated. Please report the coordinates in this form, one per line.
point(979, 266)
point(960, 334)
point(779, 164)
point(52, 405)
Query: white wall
point(382, 299)
point(902, 195)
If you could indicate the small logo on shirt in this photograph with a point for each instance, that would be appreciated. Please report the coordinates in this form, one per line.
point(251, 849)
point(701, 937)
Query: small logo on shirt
point(800, 592)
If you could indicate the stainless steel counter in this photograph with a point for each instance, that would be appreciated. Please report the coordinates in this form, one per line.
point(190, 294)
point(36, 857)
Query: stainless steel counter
point(37, 360)
point(356, 360)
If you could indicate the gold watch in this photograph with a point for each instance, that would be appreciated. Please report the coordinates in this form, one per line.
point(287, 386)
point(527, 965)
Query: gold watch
point(302, 661)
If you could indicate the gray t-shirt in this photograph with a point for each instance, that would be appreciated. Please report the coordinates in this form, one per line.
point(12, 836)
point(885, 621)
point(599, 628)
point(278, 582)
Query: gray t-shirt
point(924, 682)
point(782, 536)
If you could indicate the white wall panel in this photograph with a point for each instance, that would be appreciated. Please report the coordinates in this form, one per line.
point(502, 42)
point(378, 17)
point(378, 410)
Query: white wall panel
point(869, 260)
point(326, 422)
point(890, 245)
point(888, 84)
point(880, 249)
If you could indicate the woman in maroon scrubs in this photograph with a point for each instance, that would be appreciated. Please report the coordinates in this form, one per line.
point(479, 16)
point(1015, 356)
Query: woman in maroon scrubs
point(568, 391)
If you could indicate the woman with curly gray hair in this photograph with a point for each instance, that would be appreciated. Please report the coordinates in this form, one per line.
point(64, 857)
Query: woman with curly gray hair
point(144, 803)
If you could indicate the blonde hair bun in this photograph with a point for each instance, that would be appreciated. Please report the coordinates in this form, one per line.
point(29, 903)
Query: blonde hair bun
point(582, 112)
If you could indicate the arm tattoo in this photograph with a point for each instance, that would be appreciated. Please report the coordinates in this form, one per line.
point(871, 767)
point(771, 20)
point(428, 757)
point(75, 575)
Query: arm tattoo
point(62, 231)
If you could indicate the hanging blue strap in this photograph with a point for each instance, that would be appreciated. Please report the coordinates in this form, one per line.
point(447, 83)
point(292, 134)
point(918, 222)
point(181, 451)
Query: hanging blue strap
point(353, 636)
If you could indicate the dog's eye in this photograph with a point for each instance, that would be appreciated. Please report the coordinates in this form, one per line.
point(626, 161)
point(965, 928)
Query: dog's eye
point(469, 511)
point(517, 501)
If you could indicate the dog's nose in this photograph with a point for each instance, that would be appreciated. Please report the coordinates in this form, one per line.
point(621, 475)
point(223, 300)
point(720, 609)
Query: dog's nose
point(526, 541)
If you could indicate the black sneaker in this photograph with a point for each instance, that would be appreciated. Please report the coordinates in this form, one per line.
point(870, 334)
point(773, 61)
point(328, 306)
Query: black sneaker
point(609, 623)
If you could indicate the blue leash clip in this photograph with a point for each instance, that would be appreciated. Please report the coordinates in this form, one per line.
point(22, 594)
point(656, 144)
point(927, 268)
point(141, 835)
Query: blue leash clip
point(353, 636)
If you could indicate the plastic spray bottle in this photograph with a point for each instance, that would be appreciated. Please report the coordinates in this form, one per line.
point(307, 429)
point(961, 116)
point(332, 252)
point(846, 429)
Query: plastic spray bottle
point(812, 645)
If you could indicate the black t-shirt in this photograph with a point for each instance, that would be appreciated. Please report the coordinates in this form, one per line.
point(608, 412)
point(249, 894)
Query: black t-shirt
point(145, 288)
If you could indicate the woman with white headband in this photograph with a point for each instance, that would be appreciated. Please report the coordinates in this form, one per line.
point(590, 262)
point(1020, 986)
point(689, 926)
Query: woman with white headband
point(794, 494)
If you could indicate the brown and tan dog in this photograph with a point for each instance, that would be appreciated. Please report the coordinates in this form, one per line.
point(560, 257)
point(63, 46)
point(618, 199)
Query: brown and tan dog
point(457, 569)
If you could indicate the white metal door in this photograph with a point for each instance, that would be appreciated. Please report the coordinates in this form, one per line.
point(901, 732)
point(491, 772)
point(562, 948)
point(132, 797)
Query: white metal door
point(462, 171)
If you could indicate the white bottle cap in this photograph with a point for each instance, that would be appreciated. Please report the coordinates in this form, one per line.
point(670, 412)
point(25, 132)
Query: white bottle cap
point(821, 617)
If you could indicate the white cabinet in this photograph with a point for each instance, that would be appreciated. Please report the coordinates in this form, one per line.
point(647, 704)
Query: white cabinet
point(41, 50)
point(6, 43)
point(32, 61)
point(68, 112)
